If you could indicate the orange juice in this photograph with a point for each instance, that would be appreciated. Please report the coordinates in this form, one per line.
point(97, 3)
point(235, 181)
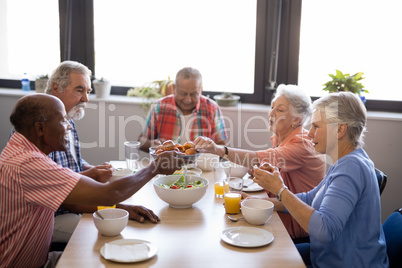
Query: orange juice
point(232, 203)
point(219, 189)
point(104, 207)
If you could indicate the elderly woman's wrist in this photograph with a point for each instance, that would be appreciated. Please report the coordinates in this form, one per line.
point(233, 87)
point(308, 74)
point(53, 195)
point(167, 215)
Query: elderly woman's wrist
point(280, 192)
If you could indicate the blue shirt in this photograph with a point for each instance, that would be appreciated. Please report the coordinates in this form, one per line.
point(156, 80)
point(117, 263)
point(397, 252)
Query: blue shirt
point(345, 229)
point(66, 159)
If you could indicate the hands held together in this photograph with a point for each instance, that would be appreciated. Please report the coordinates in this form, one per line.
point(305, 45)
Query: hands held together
point(268, 177)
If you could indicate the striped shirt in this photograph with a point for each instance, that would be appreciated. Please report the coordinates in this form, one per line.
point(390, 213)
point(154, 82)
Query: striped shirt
point(165, 121)
point(66, 158)
point(32, 187)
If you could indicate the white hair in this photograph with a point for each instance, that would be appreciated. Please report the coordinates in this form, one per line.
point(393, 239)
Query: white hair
point(300, 102)
point(345, 108)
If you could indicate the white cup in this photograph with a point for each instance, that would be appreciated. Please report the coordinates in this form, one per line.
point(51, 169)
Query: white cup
point(257, 211)
point(132, 152)
point(113, 222)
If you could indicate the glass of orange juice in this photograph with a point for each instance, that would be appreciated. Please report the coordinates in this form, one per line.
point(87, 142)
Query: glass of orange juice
point(233, 195)
point(221, 174)
point(105, 207)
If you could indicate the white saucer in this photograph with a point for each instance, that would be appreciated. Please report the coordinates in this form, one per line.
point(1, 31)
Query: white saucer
point(247, 236)
point(152, 249)
point(251, 185)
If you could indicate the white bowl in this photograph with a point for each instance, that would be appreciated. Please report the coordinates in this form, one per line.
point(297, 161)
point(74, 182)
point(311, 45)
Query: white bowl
point(257, 211)
point(180, 198)
point(115, 220)
point(205, 161)
point(119, 173)
point(237, 170)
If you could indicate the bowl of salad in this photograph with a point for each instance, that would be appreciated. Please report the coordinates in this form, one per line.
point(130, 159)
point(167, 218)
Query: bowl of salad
point(178, 192)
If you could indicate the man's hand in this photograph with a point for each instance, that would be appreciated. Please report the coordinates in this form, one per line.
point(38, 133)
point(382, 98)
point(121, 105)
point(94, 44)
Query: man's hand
point(167, 162)
point(139, 213)
point(101, 173)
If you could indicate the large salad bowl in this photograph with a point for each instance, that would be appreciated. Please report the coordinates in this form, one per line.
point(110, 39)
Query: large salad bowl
point(181, 197)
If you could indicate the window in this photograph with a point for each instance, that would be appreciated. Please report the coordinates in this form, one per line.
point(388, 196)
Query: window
point(143, 41)
point(29, 38)
point(238, 59)
point(352, 36)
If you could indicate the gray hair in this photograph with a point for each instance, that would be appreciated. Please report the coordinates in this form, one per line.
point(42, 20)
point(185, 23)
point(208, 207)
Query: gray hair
point(189, 73)
point(345, 108)
point(61, 75)
point(300, 102)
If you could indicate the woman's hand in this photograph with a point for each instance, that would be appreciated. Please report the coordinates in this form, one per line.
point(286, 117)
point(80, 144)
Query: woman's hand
point(140, 213)
point(206, 145)
point(268, 177)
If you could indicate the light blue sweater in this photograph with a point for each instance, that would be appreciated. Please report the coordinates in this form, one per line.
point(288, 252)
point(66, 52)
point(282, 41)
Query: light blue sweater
point(345, 229)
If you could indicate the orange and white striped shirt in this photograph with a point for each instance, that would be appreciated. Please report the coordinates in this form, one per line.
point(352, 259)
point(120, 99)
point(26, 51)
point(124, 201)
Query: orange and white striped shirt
point(32, 187)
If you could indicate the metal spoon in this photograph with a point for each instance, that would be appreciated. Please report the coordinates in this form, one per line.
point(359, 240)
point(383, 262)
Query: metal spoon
point(100, 215)
point(234, 219)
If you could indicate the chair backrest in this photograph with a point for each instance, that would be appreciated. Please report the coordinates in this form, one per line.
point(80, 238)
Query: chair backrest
point(382, 179)
point(393, 235)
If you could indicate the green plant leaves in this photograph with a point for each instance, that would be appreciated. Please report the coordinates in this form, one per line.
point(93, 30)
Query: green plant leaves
point(345, 82)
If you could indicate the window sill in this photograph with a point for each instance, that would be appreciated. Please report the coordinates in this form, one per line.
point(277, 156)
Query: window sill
point(243, 107)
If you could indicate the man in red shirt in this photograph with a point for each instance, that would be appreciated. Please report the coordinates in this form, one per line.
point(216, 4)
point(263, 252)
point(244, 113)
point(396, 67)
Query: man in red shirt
point(32, 186)
point(184, 115)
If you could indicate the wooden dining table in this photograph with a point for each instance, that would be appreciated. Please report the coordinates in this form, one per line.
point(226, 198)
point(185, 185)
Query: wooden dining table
point(189, 237)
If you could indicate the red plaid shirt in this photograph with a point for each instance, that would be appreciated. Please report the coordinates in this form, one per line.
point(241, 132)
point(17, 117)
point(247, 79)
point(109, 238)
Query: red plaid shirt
point(164, 121)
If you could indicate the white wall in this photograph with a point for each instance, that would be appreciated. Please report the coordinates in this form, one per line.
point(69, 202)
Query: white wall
point(108, 124)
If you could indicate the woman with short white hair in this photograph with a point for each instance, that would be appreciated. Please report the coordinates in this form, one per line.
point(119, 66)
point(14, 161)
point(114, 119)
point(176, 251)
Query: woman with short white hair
point(292, 150)
point(343, 213)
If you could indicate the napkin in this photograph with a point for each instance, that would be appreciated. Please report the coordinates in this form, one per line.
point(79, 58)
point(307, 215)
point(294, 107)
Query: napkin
point(131, 252)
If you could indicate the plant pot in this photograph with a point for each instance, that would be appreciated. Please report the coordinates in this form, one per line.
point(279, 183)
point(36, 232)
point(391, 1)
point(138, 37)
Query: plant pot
point(222, 100)
point(102, 89)
point(40, 85)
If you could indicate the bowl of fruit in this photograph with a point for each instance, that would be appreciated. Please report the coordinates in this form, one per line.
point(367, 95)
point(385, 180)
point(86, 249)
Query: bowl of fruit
point(186, 151)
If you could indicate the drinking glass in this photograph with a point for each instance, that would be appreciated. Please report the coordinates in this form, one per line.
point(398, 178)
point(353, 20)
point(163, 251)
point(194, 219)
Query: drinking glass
point(221, 174)
point(233, 195)
point(132, 152)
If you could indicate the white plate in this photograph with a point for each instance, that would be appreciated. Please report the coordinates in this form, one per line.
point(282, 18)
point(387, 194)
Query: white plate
point(251, 185)
point(247, 236)
point(152, 249)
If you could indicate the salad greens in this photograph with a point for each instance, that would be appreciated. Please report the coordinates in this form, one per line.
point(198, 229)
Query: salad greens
point(179, 184)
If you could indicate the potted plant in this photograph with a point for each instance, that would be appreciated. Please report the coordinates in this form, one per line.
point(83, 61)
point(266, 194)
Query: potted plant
point(152, 91)
point(102, 88)
point(227, 99)
point(41, 83)
point(166, 87)
point(346, 82)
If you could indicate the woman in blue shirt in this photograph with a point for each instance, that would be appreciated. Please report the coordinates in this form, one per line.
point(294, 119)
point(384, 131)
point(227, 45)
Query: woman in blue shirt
point(343, 213)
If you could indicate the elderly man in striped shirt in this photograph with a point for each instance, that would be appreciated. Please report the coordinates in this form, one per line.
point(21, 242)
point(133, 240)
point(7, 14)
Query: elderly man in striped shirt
point(70, 82)
point(32, 186)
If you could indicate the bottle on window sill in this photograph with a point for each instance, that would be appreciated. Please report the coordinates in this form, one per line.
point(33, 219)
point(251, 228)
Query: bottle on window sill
point(25, 83)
